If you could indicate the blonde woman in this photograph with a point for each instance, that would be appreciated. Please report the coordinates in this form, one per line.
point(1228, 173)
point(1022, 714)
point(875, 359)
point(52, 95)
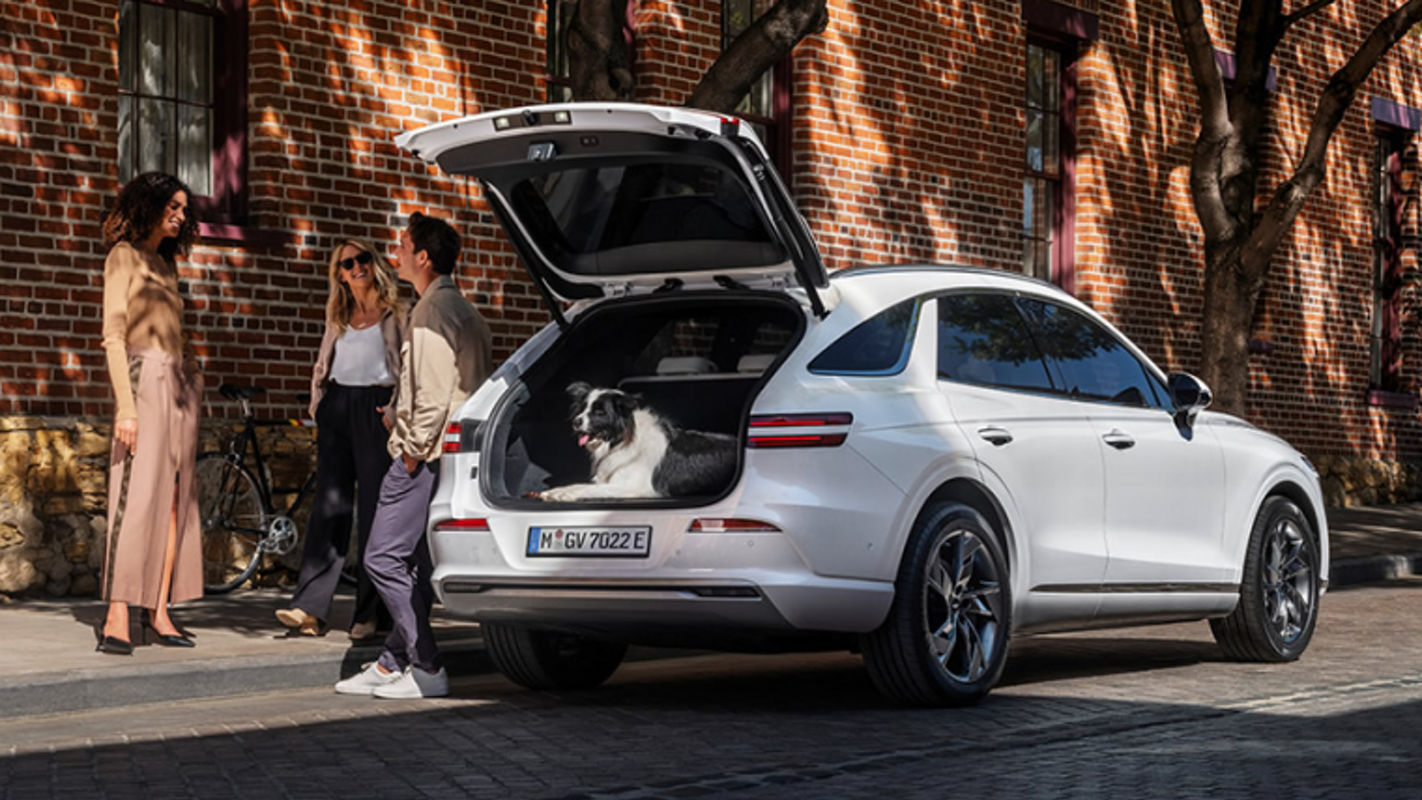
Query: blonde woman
point(351, 388)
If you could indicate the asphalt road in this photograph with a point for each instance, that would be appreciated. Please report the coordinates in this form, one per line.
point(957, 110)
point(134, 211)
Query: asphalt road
point(1141, 712)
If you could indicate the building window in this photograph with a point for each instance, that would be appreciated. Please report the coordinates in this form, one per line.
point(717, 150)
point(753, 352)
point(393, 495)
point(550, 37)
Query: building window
point(1389, 198)
point(182, 98)
point(767, 105)
point(1046, 190)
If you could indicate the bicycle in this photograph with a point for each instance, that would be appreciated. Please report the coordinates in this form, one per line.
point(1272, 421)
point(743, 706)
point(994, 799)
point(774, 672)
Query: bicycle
point(239, 520)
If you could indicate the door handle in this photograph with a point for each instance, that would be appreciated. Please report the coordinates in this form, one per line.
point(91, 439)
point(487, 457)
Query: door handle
point(1119, 439)
point(998, 436)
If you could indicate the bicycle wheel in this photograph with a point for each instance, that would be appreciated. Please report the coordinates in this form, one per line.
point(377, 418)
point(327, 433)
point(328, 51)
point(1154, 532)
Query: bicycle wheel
point(233, 520)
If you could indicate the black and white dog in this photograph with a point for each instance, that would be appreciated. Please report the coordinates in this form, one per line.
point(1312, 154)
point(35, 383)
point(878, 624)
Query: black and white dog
point(637, 453)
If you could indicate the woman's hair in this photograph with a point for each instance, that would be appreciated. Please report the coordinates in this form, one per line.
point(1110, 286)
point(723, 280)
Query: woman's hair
point(341, 301)
point(139, 208)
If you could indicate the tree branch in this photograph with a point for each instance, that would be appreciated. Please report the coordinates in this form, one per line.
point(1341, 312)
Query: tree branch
point(757, 49)
point(1200, 52)
point(1337, 96)
point(1305, 12)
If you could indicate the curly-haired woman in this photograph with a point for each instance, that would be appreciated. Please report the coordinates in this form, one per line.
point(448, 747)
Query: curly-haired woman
point(152, 555)
point(351, 387)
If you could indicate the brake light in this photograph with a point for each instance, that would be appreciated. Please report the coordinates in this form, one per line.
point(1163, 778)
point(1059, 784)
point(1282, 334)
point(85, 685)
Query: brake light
point(452, 434)
point(462, 436)
point(761, 426)
point(469, 525)
point(712, 525)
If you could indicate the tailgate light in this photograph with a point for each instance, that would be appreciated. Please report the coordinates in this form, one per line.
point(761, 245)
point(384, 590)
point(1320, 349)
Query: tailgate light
point(762, 425)
point(462, 436)
point(470, 525)
point(713, 525)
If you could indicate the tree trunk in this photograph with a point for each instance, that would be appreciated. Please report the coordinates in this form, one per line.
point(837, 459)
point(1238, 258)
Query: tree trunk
point(598, 64)
point(1226, 323)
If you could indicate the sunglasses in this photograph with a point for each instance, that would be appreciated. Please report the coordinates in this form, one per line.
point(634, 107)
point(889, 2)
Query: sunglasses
point(348, 264)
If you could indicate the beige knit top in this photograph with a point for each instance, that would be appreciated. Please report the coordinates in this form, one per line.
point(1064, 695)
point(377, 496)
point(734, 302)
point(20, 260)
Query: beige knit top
point(142, 309)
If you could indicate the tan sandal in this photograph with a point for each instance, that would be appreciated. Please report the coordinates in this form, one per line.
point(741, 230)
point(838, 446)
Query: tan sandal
point(299, 621)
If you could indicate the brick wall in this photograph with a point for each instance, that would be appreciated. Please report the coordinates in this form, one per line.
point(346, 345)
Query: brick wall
point(907, 148)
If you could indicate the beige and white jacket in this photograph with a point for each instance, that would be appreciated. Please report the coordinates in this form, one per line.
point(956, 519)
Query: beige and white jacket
point(444, 357)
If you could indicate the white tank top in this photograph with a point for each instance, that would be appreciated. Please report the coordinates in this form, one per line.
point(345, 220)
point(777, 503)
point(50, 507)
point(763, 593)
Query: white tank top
point(360, 359)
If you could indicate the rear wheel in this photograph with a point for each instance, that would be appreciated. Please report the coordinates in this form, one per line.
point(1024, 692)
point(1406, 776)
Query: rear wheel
point(548, 660)
point(1278, 596)
point(233, 522)
point(945, 640)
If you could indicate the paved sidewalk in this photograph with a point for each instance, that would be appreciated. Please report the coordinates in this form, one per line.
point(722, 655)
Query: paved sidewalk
point(48, 663)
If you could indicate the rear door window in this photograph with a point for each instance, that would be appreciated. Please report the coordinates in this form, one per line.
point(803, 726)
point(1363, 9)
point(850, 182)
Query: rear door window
point(1086, 360)
point(877, 346)
point(983, 339)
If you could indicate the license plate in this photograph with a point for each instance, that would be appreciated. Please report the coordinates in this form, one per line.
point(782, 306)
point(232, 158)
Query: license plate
point(606, 542)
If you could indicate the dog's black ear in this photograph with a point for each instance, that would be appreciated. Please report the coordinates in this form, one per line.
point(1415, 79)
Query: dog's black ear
point(578, 390)
point(626, 403)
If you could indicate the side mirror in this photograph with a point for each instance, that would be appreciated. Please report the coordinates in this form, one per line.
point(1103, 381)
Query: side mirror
point(1188, 394)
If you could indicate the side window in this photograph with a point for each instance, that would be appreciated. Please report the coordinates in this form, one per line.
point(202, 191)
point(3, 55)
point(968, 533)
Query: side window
point(982, 339)
point(876, 346)
point(1086, 360)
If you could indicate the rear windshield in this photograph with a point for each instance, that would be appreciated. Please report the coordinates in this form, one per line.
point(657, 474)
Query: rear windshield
point(575, 213)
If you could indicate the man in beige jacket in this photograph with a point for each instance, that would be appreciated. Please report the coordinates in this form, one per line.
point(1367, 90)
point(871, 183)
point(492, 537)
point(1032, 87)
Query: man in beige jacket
point(444, 356)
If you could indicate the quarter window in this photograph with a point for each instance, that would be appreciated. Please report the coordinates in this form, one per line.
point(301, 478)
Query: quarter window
point(1086, 361)
point(877, 346)
point(982, 339)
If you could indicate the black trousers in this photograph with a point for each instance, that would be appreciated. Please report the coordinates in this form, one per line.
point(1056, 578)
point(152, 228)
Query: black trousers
point(351, 460)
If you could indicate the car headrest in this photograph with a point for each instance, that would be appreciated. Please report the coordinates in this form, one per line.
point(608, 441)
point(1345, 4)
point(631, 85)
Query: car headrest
point(755, 363)
point(685, 365)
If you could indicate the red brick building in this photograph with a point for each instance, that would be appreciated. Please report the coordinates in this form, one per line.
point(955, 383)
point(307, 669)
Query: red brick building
point(1015, 134)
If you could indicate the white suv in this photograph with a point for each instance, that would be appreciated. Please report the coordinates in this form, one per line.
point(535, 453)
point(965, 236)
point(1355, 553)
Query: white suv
point(934, 459)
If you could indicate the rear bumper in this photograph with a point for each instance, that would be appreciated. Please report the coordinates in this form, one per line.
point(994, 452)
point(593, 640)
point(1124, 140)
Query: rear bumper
point(657, 607)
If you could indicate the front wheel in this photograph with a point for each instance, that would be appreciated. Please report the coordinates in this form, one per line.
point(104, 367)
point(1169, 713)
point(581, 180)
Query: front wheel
point(1278, 596)
point(233, 521)
point(548, 660)
point(945, 640)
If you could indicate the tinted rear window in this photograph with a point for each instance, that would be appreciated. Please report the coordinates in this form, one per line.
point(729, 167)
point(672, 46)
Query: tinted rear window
point(589, 210)
point(983, 339)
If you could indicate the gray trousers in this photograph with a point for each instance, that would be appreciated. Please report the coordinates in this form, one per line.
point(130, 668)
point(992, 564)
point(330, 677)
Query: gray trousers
point(397, 558)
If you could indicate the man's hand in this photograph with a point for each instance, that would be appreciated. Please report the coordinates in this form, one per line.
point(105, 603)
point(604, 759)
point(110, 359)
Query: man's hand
point(126, 433)
point(383, 419)
point(411, 463)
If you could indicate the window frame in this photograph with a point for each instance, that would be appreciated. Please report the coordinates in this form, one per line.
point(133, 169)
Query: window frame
point(778, 123)
point(1062, 227)
point(226, 205)
point(1387, 209)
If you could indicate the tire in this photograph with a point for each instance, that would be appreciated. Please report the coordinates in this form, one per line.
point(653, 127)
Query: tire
point(547, 660)
point(233, 521)
point(1278, 595)
point(945, 640)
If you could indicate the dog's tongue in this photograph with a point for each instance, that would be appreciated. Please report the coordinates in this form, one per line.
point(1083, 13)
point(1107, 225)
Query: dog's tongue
point(583, 440)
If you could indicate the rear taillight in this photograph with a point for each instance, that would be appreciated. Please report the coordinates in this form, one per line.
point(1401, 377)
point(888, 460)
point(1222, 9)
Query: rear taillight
point(470, 525)
point(462, 436)
point(721, 525)
point(797, 430)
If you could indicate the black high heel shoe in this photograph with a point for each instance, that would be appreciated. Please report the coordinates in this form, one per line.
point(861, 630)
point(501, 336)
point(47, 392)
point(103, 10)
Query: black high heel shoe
point(112, 645)
point(165, 639)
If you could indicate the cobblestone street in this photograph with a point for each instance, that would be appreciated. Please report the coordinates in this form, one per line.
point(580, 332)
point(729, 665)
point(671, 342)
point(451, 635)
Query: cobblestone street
point(1137, 712)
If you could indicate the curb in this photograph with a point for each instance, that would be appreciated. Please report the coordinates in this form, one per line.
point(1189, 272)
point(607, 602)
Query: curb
point(1373, 569)
point(92, 689)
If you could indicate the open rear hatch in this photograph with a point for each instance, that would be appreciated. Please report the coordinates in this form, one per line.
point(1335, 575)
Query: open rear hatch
point(611, 199)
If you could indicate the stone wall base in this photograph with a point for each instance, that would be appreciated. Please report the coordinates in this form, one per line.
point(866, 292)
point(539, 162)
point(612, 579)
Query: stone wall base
point(1350, 481)
point(54, 498)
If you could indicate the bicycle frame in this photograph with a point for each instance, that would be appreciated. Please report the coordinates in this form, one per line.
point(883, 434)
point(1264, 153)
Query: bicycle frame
point(245, 440)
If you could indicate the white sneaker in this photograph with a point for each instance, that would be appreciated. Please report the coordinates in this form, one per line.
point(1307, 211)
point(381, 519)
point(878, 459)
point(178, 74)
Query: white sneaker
point(416, 683)
point(367, 680)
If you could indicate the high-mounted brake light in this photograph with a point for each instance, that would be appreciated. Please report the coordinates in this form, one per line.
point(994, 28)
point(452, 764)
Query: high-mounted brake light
point(470, 525)
point(761, 426)
point(710, 525)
